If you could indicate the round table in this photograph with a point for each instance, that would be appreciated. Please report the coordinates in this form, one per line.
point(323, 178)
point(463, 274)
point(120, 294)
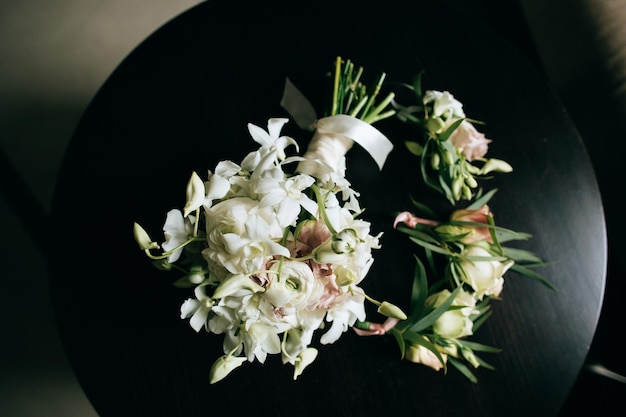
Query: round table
point(181, 102)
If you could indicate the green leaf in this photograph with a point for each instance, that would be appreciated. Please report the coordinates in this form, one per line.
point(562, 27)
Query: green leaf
point(419, 290)
point(400, 340)
point(507, 235)
point(417, 85)
point(419, 232)
point(429, 246)
point(431, 317)
point(479, 347)
point(482, 318)
point(461, 367)
point(423, 208)
point(521, 255)
point(523, 270)
point(484, 199)
point(446, 134)
point(414, 147)
point(484, 364)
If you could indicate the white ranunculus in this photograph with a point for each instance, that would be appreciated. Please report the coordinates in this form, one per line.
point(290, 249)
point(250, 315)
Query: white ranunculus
point(242, 235)
point(292, 284)
point(484, 276)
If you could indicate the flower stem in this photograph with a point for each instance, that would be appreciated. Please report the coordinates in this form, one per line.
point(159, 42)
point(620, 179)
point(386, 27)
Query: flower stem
point(322, 208)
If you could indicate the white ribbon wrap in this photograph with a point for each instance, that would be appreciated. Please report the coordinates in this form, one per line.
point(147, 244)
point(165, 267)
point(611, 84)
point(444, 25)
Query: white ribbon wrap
point(334, 135)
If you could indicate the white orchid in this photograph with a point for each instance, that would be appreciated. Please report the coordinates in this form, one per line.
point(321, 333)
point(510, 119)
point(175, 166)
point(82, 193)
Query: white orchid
point(272, 144)
point(177, 230)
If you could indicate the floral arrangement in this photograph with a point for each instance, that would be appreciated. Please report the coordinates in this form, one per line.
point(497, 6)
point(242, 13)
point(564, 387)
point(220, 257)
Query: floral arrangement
point(274, 247)
point(463, 259)
point(273, 252)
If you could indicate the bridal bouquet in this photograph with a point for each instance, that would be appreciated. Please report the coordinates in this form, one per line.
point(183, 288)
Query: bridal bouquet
point(273, 246)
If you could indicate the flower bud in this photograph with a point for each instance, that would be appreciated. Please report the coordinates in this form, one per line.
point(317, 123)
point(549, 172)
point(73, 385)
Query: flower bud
point(345, 276)
point(195, 194)
point(223, 366)
point(305, 358)
point(337, 248)
point(495, 165)
point(474, 233)
point(457, 185)
point(143, 239)
point(448, 158)
point(435, 160)
point(435, 125)
point(471, 181)
point(419, 354)
point(467, 192)
point(196, 274)
point(470, 357)
point(234, 283)
point(344, 241)
point(391, 310)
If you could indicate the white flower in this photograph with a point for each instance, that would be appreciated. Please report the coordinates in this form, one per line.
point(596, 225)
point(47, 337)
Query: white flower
point(346, 310)
point(242, 235)
point(195, 194)
point(218, 185)
point(286, 195)
point(454, 323)
point(272, 144)
point(304, 359)
point(419, 354)
point(197, 309)
point(223, 366)
point(472, 143)
point(444, 104)
point(259, 340)
point(292, 285)
point(445, 110)
point(482, 273)
point(177, 231)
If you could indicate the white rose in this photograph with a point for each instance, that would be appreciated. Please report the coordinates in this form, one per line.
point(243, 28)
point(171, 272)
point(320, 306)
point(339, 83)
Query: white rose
point(484, 276)
point(453, 324)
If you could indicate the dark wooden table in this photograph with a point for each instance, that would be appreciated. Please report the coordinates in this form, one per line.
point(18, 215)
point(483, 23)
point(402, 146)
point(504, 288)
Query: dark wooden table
point(181, 102)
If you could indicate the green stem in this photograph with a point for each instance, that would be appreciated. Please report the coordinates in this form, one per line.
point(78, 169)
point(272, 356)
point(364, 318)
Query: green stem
point(320, 204)
point(164, 255)
point(373, 115)
point(336, 86)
